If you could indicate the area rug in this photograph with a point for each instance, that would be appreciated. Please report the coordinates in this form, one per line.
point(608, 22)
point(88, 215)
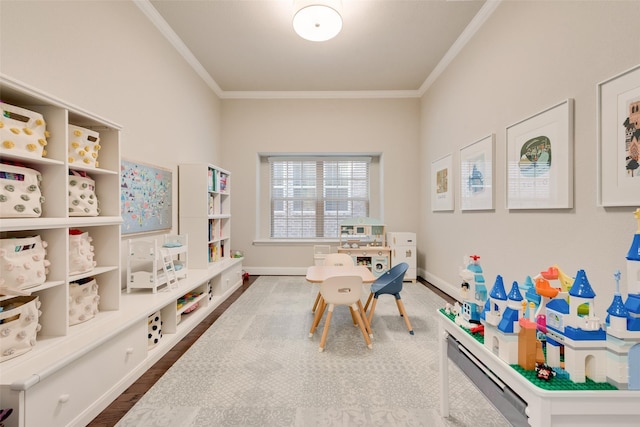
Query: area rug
point(256, 366)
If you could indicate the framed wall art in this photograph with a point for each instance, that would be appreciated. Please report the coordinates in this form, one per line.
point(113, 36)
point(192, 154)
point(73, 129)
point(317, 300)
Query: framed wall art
point(476, 175)
point(145, 198)
point(442, 196)
point(540, 160)
point(619, 139)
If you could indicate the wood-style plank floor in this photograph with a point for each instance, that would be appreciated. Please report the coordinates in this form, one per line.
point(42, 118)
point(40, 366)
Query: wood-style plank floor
point(119, 407)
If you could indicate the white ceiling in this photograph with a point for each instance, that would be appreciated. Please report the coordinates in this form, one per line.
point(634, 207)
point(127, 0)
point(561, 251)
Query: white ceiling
point(244, 48)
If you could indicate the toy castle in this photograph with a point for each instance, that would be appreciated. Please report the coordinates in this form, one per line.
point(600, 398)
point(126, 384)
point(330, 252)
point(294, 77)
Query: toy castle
point(603, 351)
point(473, 291)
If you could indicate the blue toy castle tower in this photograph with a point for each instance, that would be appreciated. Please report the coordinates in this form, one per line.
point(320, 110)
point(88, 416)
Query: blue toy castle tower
point(473, 291)
point(501, 315)
point(633, 277)
point(623, 324)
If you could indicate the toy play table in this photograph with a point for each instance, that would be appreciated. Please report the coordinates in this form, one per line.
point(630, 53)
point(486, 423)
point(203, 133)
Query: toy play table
point(543, 407)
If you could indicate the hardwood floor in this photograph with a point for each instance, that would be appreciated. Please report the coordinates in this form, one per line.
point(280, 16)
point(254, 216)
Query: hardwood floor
point(119, 407)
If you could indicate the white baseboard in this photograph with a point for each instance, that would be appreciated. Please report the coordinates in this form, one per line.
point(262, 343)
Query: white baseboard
point(275, 271)
point(449, 289)
point(452, 290)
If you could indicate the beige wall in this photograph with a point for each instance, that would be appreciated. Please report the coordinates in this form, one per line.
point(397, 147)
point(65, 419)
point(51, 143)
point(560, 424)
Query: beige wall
point(107, 58)
point(529, 56)
point(387, 126)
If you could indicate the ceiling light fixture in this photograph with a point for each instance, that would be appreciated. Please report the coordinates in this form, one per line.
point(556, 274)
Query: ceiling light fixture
point(317, 20)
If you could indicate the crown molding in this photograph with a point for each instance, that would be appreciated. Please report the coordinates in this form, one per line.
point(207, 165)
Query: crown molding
point(154, 16)
point(156, 19)
point(483, 14)
point(364, 94)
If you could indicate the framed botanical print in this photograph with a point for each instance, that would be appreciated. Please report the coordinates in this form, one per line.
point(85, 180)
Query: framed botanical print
point(540, 160)
point(442, 196)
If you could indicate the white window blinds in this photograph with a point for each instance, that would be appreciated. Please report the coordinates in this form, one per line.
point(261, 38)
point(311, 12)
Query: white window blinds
point(311, 196)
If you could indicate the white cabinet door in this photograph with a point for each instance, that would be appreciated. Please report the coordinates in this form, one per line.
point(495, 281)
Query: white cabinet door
point(62, 397)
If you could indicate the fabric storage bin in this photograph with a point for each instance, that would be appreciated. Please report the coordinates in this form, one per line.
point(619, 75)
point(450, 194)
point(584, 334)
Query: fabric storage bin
point(83, 300)
point(18, 325)
point(81, 252)
point(154, 324)
point(20, 194)
point(23, 264)
point(84, 145)
point(82, 195)
point(22, 132)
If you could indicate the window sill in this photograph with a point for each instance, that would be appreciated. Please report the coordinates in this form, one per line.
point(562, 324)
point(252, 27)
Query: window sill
point(295, 242)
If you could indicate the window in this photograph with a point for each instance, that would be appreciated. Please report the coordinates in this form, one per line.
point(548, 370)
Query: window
point(311, 196)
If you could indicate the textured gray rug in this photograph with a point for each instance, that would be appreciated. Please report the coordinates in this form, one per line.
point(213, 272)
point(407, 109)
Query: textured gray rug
point(256, 366)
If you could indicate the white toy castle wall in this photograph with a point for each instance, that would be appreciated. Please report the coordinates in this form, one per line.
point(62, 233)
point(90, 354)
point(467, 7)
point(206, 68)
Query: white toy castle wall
point(505, 346)
point(553, 355)
point(618, 361)
point(491, 341)
point(581, 363)
point(508, 348)
point(634, 367)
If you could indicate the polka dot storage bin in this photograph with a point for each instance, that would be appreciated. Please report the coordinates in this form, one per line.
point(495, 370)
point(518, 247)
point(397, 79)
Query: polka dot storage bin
point(20, 194)
point(83, 300)
point(22, 132)
point(18, 325)
point(84, 145)
point(154, 324)
point(81, 252)
point(83, 200)
point(23, 264)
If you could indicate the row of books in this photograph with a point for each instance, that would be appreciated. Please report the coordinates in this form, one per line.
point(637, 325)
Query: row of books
point(216, 252)
point(217, 181)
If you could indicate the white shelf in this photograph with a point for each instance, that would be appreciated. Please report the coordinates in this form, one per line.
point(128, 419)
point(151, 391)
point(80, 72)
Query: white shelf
point(112, 347)
point(205, 212)
point(58, 344)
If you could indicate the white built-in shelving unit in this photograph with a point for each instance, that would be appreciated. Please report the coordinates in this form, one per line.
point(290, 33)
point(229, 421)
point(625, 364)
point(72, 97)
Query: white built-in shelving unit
point(205, 212)
point(74, 372)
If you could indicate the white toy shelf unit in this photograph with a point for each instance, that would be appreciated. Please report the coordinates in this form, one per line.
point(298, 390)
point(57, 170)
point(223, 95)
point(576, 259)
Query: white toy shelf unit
point(156, 261)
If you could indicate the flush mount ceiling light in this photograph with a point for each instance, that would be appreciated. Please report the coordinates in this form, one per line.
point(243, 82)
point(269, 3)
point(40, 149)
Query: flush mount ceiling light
point(317, 20)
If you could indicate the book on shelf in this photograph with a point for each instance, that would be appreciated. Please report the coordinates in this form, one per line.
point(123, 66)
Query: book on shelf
point(213, 253)
point(223, 181)
point(211, 183)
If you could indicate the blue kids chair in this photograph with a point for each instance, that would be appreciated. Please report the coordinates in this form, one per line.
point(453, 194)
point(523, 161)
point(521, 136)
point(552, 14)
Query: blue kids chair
point(390, 283)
